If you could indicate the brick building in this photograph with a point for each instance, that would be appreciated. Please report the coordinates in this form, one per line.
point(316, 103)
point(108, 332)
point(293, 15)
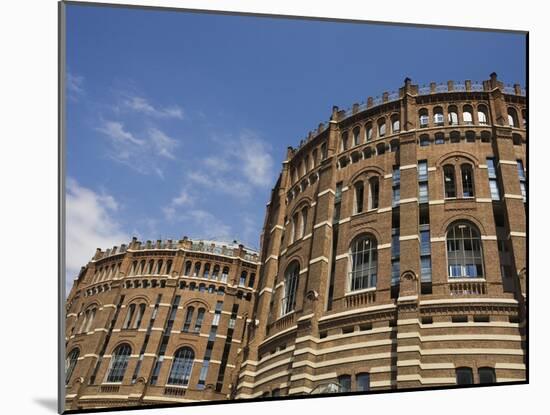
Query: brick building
point(156, 323)
point(393, 255)
point(394, 248)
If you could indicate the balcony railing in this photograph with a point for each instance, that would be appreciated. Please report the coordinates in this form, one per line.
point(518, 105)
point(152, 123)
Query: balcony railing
point(359, 299)
point(461, 288)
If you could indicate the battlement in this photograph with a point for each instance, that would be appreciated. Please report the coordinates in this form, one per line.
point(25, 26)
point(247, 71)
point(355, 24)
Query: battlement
point(233, 249)
point(411, 89)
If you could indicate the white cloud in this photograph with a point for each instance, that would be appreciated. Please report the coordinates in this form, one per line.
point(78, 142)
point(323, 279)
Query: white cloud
point(89, 225)
point(116, 131)
point(142, 153)
point(257, 163)
point(74, 85)
point(163, 144)
point(208, 226)
point(183, 199)
point(140, 104)
point(242, 165)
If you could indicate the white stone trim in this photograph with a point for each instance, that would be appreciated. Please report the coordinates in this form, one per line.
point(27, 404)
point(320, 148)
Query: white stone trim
point(511, 196)
point(438, 239)
point(436, 202)
point(307, 236)
point(324, 192)
point(408, 166)
point(344, 220)
point(303, 271)
point(306, 317)
point(358, 311)
point(320, 258)
point(384, 246)
point(327, 223)
point(266, 289)
point(484, 200)
point(520, 234)
point(276, 227)
point(488, 237)
point(388, 176)
point(409, 237)
point(409, 200)
point(469, 300)
point(386, 209)
point(433, 168)
point(270, 257)
point(509, 162)
point(288, 330)
point(341, 256)
point(482, 166)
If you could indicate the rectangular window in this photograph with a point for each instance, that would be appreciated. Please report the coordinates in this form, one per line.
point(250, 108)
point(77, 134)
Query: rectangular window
point(523, 191)
point(345, 383)
point(521, 171)
point(495, 192)
point(423, 192)
point(425, 268)
point(425, 240)
point(396, 196)
point(396, 175)
point(395, 271)
point(491, 170)
point(363, 382)
point(395, 242)
point(422, 170)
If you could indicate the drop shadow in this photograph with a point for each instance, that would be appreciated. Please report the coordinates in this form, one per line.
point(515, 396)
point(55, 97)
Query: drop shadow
point(48, 403)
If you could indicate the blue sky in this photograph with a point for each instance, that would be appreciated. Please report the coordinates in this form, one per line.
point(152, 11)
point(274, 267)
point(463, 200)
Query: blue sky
point(177, 123)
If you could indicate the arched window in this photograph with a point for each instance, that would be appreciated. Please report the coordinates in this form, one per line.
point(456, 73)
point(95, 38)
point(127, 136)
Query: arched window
point(381, 127)
point(206, 272)
point(363, 262)
point(225, 273)
point(159, 267)
point(467, 115)
point(251, 280)
point(216, 272)
point(449, 180)
point(439, 138)
point(512, 117)
point(119, 363)
point(168, 266)
point(367, 153)
point(150, 267)
point(139, 316)
point(129, 316)
point(464, 254)
point(344, 141)
point(363, 382)
point(455, 137)
point(314, 159)
point(486, 375)
point(359, 195)
point(91, 317)
point(141, 267)
point(356, 132)
point(482, 115)
point(197, 269)
point(303, 222)
point(470, 136)
point(293, 228)
point(187, 269)
point(380, 149)
point(188, 318)
point(324, 151)
point(524, 117)
point(438, 116)
point(373, 193)
point(516, 139)
point(424, 140)
point(395, 124)
point(345, 383)
point(467, 180)
point(242, 280)
point(134, 268)
point(182, 364)
point(394, 145)
point(423, 117)
point(288, 302)
point(485, 137)
point(453, 115)
point(307, 166)
point(200, 318)
point(368, 131)
point(464, 376)
point(70, 363)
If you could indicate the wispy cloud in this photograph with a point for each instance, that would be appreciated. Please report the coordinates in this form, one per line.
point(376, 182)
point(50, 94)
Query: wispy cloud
point(74, 85)
point(142, 105)
point(241, 166)
point(209, 226)
point(183, 199)
point(90, 224)
point(140, 151)
point(116, 131)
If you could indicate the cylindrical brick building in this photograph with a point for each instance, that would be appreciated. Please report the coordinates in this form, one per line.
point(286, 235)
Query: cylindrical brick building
point(394, 248)
point(156, 323)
